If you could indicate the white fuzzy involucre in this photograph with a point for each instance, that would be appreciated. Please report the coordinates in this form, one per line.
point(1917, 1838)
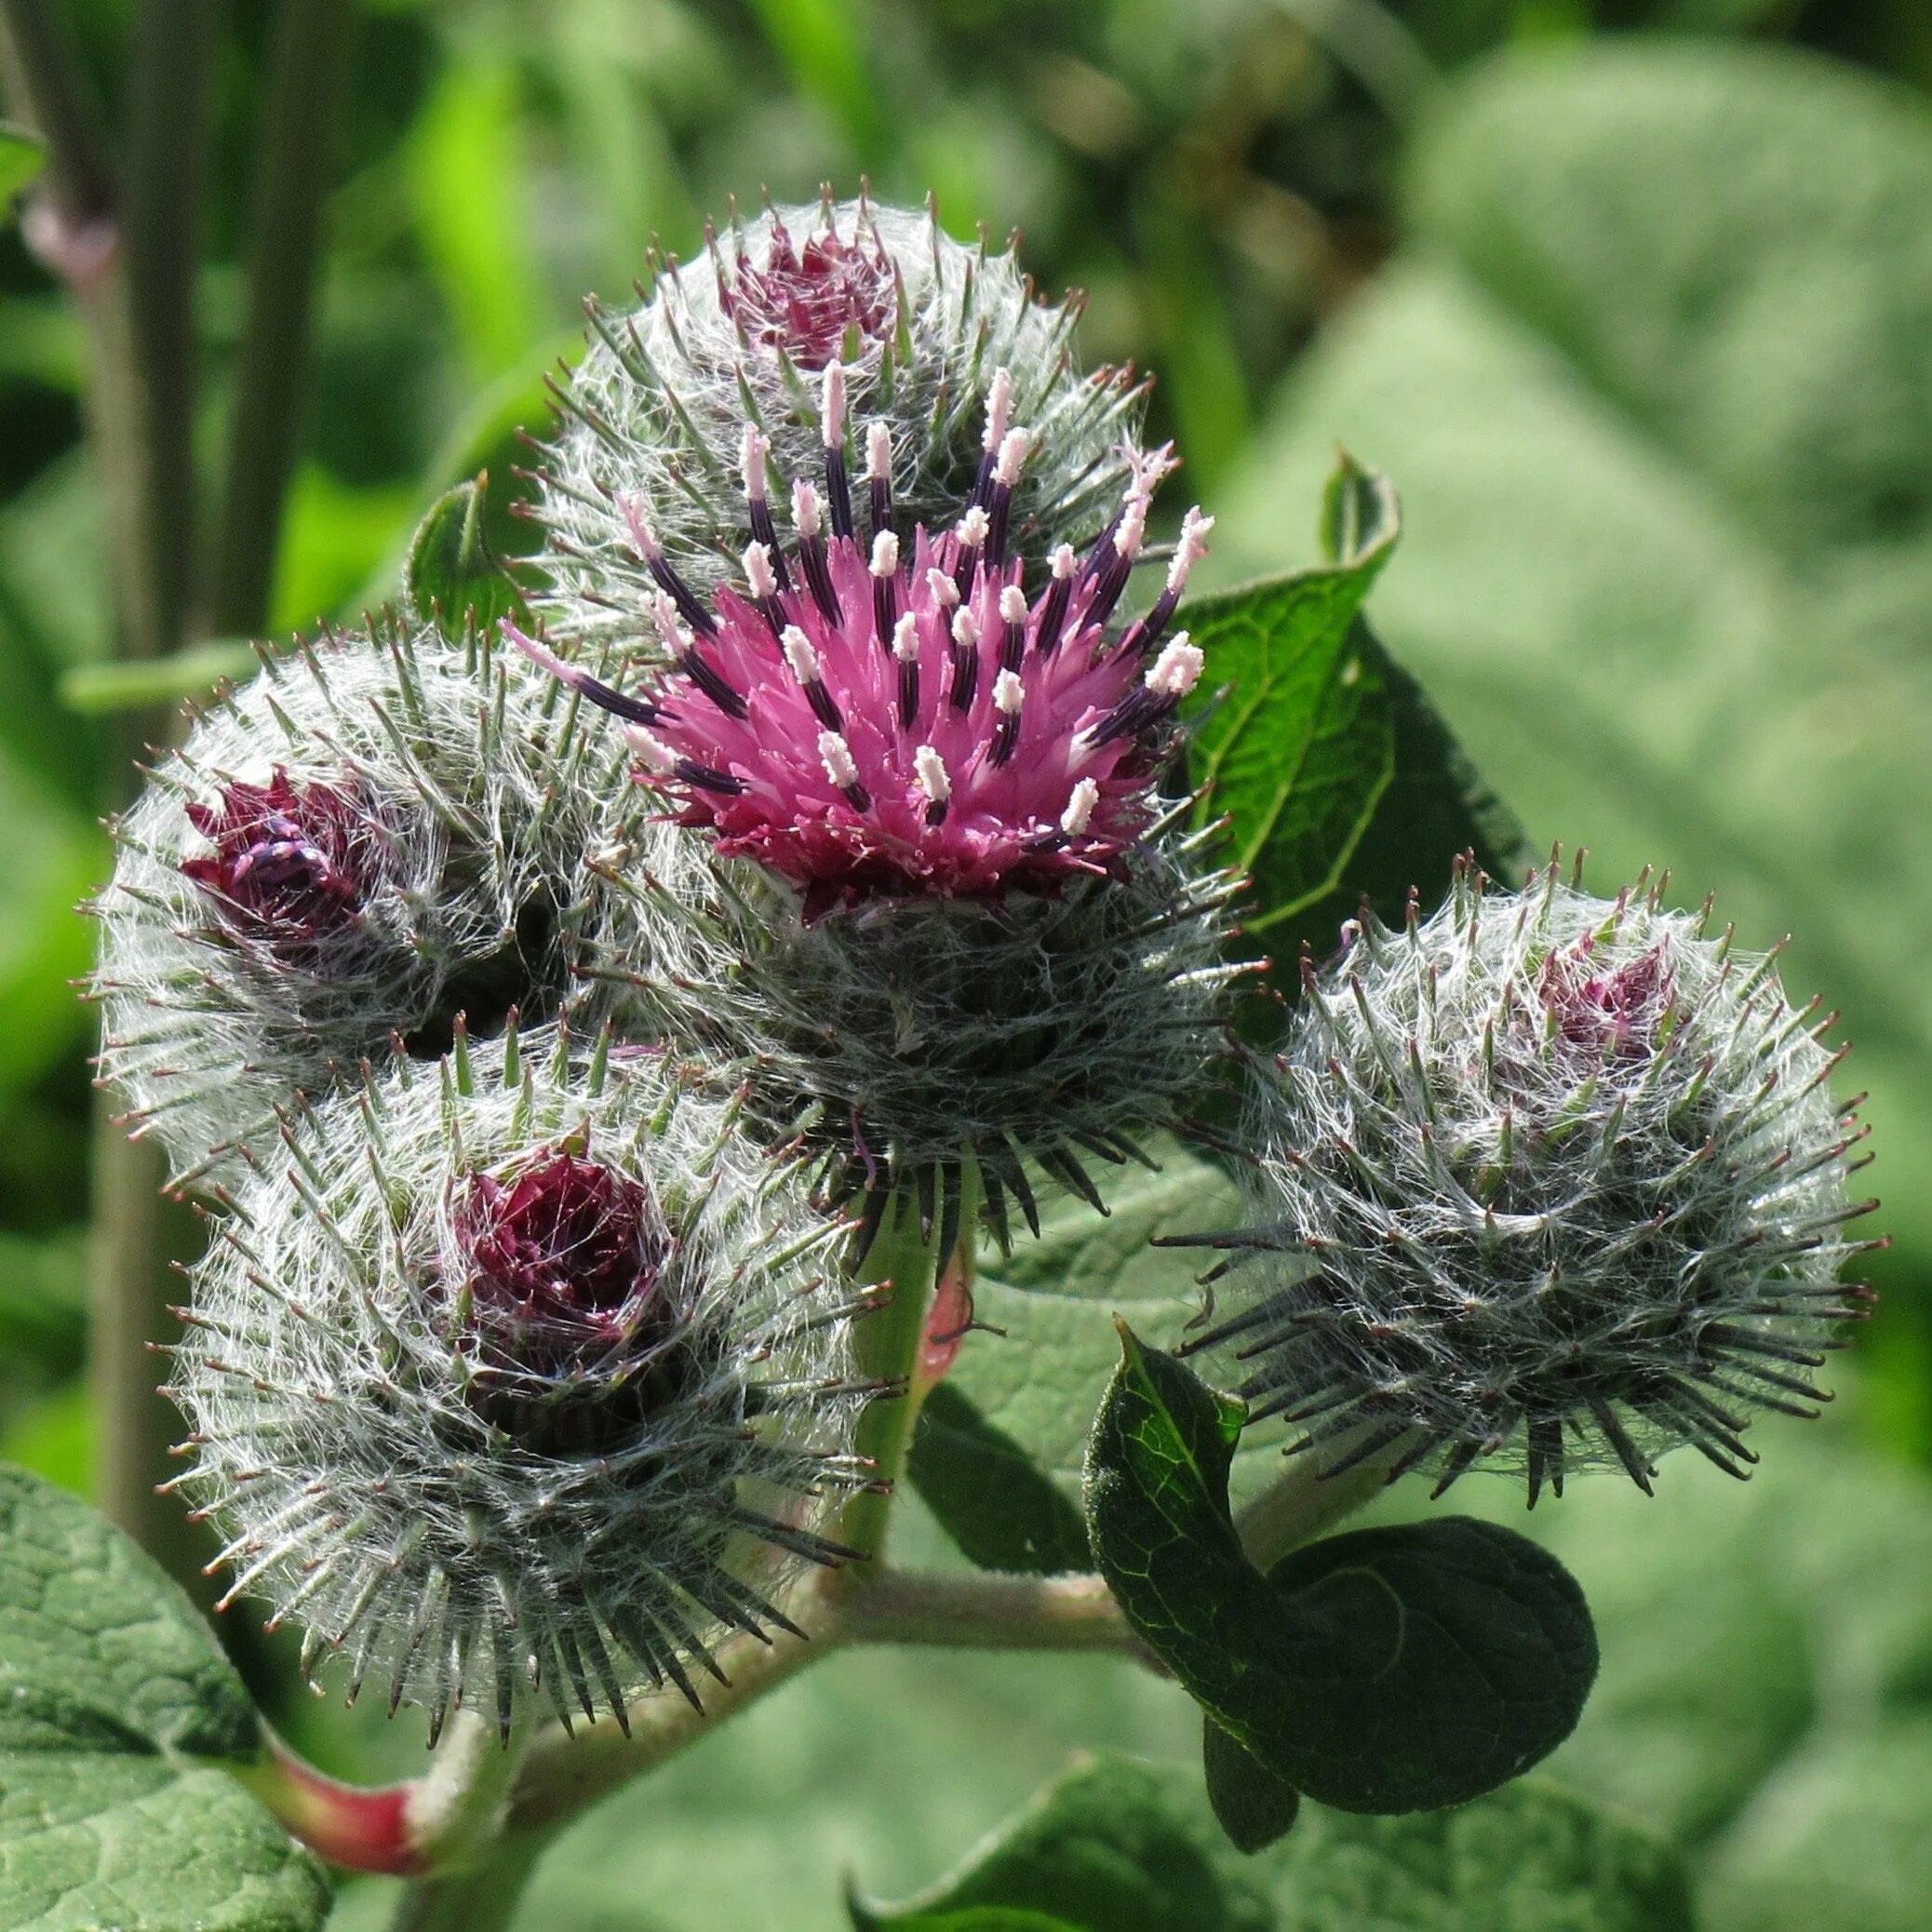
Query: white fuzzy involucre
point(654, 416)
point(348, 1428)
point(478, 795)
point(1543, 1181)
point(905, 1037)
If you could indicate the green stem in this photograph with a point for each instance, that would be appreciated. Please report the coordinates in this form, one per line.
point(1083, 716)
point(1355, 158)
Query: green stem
point(988, 1613)
point(482, 1898)
point(308, 64)
point(1299, 1507)
point(47, 89)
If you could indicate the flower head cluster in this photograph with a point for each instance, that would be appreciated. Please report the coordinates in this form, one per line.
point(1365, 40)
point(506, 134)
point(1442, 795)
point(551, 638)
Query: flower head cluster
point(917, 322)
point(973, 931)
point(518, 1373)
point(375, 835)
point(1544, 1180)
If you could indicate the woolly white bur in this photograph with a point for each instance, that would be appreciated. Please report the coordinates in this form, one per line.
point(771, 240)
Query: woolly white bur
point(479, 1459)
point(899, 1039)
point(935, 348)
point(1544, 1181)
point(406, 825)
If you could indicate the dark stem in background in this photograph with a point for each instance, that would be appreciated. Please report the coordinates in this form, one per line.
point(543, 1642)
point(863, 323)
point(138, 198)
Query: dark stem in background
point(308, 64)
point(130, 264)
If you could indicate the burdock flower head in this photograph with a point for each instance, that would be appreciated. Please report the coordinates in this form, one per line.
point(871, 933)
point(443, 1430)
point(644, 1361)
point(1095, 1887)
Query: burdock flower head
point(929, 334)
point(375, 835)
point(1545, 1180)
point(520, 1374)
point(969, 931)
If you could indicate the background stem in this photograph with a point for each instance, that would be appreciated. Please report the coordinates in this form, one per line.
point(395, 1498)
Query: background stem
point(311, 41)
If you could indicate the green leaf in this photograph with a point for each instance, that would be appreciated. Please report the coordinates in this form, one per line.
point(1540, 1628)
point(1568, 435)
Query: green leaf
point(1531, 1858)
point(453, 578)
point(1111, 1846)
point(1253, 1805)
point(23, 155)
point(117, 1716)
point(1302, 747)
point(1387, 1669)
point(1427, 1663)
point(991, 1497)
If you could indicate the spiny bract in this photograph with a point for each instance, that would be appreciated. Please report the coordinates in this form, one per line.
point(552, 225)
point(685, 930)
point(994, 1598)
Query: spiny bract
point(927, 332)
point(952, 922)
point(1544, 1180)
point(521, 1373)
point(374, 835)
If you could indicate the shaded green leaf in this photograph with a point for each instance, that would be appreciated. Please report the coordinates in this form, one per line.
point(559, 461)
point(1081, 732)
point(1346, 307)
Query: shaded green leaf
point(453, 578)
point(1531, 1858)
point(989, 1494)
point(1111, 1846)
point(1251, 1803)
point(118, 1714)
point(1387, 1669)
point(23, 155)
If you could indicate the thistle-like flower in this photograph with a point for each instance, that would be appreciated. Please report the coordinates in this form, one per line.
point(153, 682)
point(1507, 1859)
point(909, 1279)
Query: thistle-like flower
point(972, 931)
point(929, 334)
point(518, 1373)
point(1545, 1180)
point(373, 836)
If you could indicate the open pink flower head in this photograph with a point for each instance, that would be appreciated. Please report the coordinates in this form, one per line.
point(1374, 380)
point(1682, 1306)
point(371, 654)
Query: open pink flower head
point(801, 301)
point(288, 860)
point(1618, 1011)
point(875, 716)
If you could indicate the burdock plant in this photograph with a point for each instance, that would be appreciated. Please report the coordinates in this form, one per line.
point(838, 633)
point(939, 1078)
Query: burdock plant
point(600, 1059)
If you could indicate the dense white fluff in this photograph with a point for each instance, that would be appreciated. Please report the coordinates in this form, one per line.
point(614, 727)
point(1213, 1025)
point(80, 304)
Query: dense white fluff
point(910, 1036)
point(480, 797)
point(455, 1523)
point(1544, 1180)
point(654, 416)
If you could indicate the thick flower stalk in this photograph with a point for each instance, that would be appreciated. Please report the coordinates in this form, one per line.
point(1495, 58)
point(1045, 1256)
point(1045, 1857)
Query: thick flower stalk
point(520, 1374)
point(1545, 1180)
point(375, 835)
point(954, 922)
point(929, 334)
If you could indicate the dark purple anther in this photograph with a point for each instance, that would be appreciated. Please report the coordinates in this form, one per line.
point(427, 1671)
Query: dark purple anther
point(289, 865)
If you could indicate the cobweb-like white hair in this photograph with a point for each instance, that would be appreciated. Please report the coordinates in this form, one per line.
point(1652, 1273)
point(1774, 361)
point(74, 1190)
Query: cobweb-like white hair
point(460, 1513)
point(654, 418)
point(466, 795)
point(1544, 1180)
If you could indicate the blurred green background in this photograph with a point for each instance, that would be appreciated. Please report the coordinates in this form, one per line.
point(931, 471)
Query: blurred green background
point(1633, 300)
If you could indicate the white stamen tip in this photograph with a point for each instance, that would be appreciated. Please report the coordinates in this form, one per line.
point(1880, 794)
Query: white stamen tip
point(965, 626)
point(1008, 694)
point(1012, 604)
point(799, 653)
point(1190, 549)
point(999, 409)
point(973, 527)
point(831, 406)
point(835, 753)
point(929, 774)
point(806, 516)
point(1013, 446)
point(906, 639)
point(642, 535)
point(1079, 814)
point(885, 555)
point(1065, 562)
point(752, 463)
point(653, 753)
point(945, 593)
point(1134, 528)
point(759, 572)
point(878, 452)
point(674, 633)
point(1177, 670)
point(538, 654)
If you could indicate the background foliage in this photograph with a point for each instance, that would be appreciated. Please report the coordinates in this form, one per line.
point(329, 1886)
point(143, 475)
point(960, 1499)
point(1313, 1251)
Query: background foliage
point(1632, 300)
